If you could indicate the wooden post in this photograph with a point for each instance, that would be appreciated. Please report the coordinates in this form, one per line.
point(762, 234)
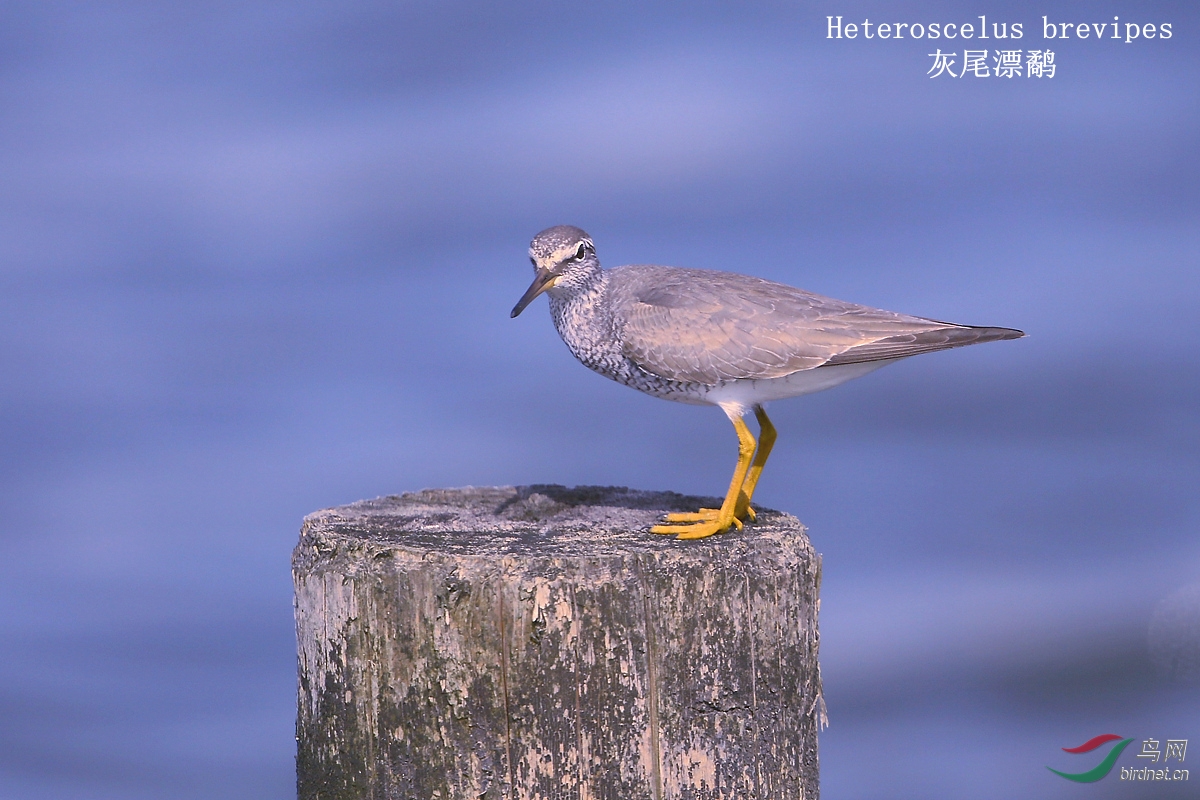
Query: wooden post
point(538, 642)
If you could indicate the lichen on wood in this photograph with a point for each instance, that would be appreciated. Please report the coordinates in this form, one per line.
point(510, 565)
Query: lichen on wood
point(538, 642)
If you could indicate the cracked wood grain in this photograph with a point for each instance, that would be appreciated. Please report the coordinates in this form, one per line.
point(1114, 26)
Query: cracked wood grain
point(537, 642)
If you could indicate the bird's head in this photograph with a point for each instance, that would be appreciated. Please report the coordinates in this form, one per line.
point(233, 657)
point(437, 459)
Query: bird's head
point(562, 256)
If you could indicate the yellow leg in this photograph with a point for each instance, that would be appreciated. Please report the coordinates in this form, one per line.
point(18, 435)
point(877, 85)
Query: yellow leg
point(766, 440)
point(743, 509)
point(725, 516)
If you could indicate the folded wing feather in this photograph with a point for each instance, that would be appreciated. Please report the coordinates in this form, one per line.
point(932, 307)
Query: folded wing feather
point(706, 327)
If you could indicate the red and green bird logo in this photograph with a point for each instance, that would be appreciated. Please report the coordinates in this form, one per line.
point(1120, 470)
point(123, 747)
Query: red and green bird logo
point(1101, 769)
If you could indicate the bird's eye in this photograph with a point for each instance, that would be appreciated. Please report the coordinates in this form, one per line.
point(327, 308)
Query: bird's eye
point(533, 261)
point(581, 252)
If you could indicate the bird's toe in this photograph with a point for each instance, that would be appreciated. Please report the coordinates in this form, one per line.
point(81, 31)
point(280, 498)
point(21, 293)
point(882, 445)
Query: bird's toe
point(703, 515)
point(701, 530)
point(698, 525)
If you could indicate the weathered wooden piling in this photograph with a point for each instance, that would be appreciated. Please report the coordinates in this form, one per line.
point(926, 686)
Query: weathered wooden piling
point(538, 642)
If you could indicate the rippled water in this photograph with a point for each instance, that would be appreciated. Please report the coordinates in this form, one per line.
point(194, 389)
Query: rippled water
point(258, 262)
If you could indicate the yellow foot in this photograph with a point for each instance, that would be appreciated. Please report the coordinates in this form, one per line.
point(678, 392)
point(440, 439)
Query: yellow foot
point(710, 514)
point(700, 524)
point(697, 530)
point(703, 515)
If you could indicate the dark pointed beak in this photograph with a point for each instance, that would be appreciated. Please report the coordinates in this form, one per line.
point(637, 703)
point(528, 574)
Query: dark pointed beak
point(541, 282)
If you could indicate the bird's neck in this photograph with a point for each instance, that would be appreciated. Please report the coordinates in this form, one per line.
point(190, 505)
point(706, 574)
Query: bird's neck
point(583, 319)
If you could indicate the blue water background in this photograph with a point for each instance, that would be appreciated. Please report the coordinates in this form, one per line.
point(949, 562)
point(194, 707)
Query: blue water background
point(257, 260)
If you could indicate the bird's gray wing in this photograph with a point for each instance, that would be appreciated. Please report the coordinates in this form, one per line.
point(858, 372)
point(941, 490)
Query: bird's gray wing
point(706, 327)
point(911, 344)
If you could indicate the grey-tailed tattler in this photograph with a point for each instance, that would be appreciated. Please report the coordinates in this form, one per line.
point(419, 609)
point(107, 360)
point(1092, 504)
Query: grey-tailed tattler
point(723, 339)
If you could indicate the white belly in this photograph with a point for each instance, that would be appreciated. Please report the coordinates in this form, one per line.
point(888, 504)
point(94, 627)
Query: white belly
point(737, 397)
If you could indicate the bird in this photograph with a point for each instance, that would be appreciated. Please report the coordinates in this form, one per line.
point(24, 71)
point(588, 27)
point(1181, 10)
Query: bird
point(720, 338)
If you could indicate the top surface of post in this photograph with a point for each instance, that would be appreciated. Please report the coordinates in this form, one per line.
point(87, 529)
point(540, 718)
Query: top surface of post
point(539, 520)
